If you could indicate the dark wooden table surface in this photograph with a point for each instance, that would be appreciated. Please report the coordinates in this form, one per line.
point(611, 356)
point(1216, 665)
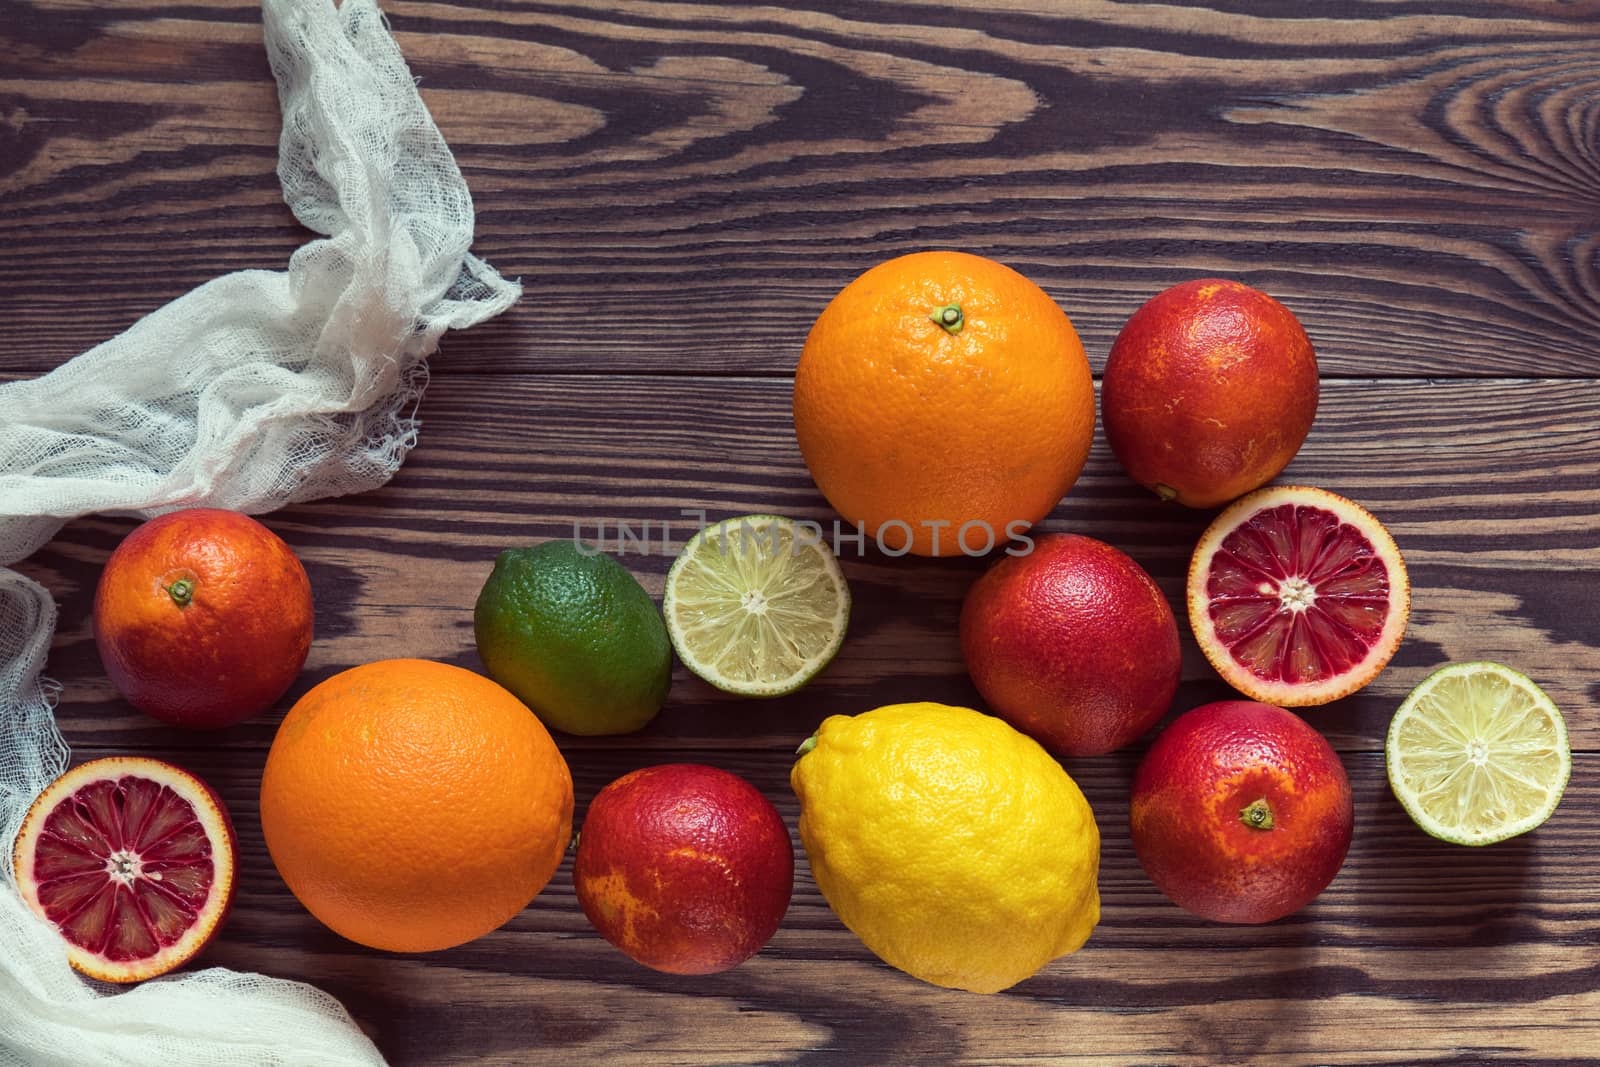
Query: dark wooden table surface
point(681, 187)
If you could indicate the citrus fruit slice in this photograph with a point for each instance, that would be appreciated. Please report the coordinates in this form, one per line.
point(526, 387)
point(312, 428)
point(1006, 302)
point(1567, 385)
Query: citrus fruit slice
point(755, 606)
point(1478, 753)
point(1297, 596)
point(133, 861)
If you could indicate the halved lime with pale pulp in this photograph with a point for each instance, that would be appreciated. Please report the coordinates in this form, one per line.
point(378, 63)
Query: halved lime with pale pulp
point(1478, 754)
point(756, 605)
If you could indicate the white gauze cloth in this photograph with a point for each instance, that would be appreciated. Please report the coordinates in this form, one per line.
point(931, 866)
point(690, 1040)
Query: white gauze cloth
point(253, 391)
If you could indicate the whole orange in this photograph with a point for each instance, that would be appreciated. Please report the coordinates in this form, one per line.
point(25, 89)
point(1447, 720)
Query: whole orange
point(1241, 812)
point(686, 868)
point(203, 617)
point(412, 806)
point(1209, 391)
point(1073, 644)
point(944, 402)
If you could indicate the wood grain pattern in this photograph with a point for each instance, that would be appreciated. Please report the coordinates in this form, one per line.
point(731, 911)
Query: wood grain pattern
point(1427, 952)
point(1488, 487)
point(682, 186)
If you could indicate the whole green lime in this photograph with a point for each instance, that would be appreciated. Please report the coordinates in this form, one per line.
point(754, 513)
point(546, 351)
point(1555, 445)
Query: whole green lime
point(576, 637)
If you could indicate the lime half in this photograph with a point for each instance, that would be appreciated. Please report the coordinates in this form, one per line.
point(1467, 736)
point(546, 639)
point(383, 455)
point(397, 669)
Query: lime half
point(1477, 754)
point(756, 605)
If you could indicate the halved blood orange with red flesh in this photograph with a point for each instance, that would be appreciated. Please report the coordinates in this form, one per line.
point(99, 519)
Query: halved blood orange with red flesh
point(1297, 596)
point(133, 861)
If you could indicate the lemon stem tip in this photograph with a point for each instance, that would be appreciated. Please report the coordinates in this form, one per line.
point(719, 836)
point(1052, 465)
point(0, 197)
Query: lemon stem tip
point(806, 746)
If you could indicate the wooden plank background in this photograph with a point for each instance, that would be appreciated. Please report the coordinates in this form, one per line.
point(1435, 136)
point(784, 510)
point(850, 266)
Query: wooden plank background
point(681, 187)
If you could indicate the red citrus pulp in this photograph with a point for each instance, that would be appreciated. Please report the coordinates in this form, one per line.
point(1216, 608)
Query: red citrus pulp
point(1297, 596)
point(686, 868)
point(133, 861)
point(1241, 812)
point(1073, 644)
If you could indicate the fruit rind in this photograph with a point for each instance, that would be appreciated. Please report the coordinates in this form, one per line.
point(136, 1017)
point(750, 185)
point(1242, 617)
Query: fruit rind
point(1394, 760)
point(1288, 694)
point(684, 868)
point(576, 637)
point(964, 895)
point(811, 668)
point(1241, 812)
point(224, 855)
point(1208, 391)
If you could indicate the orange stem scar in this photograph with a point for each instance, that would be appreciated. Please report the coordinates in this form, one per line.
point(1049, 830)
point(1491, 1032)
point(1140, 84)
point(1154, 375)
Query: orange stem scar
point(1257, 814)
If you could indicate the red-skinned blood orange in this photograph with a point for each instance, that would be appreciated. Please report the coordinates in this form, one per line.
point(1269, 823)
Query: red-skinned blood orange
point(203, 617)
point(686, 868)
point(1073, 644)
point(1209, 391)
point(1241, 812)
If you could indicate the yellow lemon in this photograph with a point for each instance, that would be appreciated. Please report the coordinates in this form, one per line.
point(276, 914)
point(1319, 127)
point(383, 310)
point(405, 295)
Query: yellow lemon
point(955, 847)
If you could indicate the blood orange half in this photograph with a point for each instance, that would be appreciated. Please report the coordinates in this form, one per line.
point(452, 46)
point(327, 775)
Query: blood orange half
point(133, 861)
point(1297, 596)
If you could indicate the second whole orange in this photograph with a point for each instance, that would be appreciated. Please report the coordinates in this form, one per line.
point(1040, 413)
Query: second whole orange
point(944, 402)
point(413, 806)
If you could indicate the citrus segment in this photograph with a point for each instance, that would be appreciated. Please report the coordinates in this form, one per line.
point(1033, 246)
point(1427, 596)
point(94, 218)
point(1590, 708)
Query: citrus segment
point(1478, 753)
point(132, 859)
point(1297, 596)
point(755, 606)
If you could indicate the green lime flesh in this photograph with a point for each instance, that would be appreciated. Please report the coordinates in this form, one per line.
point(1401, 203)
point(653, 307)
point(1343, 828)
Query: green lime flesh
point(1477, 753)
point(755, 607)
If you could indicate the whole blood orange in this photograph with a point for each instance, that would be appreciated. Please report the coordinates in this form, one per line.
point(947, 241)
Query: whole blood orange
point(1073, 644)
point(203, 617)
point(1241, 812)
point(1209, 391)
point(1297, 596)
point(412, 806)
point(943, 401)
point(686, 868)
point(133, 861)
